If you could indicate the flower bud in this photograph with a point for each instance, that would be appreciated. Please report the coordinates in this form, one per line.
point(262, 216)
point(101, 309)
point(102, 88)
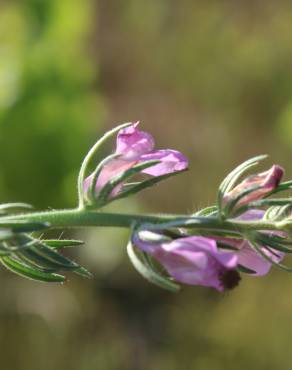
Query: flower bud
point(134, 147)
point(263, 183)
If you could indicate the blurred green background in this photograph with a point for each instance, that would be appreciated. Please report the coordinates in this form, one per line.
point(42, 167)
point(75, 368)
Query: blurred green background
point(210, 78)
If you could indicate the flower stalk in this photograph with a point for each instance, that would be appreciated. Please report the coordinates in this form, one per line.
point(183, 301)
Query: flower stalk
point(76, 218)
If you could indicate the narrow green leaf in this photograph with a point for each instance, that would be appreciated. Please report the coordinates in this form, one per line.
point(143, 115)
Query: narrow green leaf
point(62, 243)
point(34, 260)
point(25, 271)
point(119, 179)
point(82, 271)
point(271, 202)
point(4, 251)
point(272, 213)
point(278, 213)
point(14, 207)
point(8, 247)
point(208, 211)
point(45, 256)
point(34, 263)
point(145, 184)
point(280, 239)
point(272, 242)
point(232, 178)
point(41, 256)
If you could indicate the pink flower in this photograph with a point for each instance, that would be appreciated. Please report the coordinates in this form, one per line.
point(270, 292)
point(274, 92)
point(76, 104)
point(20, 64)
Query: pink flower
point(197, 260)
point(134, 147)
point(193, 260)
point(266, 181)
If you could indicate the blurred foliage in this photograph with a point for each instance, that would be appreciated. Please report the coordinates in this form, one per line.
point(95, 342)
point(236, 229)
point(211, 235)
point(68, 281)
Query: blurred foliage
point(212, 79)
point(48, 103)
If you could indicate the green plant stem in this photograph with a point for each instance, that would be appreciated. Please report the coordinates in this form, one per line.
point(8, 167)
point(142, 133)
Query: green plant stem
point(72, 218)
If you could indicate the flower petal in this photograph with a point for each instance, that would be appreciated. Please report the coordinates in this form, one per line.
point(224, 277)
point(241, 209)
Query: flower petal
point(249, 258)
point(252, 214)
point(132, 143)
point(192, 260)
point(109, 171)
point(188, 245)
point(171, 161)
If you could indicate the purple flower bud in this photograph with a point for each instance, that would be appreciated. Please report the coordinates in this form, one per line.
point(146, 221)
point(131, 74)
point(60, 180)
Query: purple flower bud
point(267, 181)
point(193, 260)
point(134, 147)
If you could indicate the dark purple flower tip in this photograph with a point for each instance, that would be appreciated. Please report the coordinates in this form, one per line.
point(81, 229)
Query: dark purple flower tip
point(267, 181)
point(194, 260)
point(274, 176)
point(229, 279)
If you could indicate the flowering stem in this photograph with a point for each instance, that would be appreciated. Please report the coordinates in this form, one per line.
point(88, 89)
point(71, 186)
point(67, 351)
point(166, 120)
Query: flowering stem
point(82, 218)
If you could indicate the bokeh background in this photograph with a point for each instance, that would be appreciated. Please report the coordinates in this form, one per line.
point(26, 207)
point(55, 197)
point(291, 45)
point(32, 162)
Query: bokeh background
point(210, 78)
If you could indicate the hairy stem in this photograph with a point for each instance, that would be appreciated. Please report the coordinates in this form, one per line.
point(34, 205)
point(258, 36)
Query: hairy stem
point(82, 218)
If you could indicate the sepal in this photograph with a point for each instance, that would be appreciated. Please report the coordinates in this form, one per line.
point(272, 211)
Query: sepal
point(144, 265)
point(231, 179)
